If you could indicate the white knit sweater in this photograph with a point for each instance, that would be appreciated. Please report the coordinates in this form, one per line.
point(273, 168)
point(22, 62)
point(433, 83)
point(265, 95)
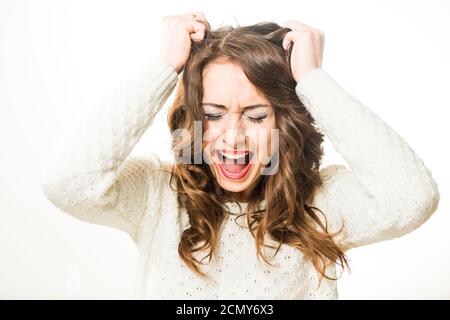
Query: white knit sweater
point(386, 192)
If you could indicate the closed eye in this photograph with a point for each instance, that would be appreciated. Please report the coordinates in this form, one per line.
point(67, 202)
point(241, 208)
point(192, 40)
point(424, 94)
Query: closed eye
point(213, 117)
point(257, 119)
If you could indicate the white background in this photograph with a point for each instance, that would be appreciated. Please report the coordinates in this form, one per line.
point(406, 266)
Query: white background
point(58, 57)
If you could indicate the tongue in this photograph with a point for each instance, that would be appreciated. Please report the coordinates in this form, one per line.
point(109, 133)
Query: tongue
point(234, 168)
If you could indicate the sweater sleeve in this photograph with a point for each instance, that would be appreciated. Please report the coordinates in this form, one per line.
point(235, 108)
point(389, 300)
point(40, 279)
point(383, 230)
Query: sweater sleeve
point(387, 191)
point(89, 174)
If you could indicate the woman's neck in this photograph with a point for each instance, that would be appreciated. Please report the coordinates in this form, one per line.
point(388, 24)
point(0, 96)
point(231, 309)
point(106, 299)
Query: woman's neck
point(242, 197)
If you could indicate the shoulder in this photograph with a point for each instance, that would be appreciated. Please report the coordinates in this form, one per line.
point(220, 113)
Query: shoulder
point(155, 170)
point(150, 163)
point(334, 185)
point(331, 173)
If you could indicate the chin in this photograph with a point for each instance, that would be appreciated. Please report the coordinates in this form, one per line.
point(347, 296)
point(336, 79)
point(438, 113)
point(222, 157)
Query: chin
point(236, 187)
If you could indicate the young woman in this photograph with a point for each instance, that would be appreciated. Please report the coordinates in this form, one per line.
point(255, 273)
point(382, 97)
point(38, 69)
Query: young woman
point(243, 209)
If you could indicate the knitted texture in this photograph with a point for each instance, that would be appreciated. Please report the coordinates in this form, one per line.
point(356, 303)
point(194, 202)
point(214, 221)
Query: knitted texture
point(385, 192)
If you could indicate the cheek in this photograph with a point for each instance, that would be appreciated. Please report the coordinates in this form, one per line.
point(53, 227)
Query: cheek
point(261, 141)
point(211, 133)
point(210, 136)
point(272, 137)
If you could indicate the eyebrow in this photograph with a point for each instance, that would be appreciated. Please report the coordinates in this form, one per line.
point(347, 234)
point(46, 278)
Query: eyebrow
point(221, 106)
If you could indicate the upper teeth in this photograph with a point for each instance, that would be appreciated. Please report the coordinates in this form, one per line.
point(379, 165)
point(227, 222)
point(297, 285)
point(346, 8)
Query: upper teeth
point(234, 156)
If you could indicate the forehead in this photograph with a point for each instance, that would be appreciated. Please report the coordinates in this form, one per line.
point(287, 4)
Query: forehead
point(226, 83)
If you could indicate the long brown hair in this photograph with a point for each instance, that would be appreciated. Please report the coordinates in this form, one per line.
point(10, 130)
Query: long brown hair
point(286, 217)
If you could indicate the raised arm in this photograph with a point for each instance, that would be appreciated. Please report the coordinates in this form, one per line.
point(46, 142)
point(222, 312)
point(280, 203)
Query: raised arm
point(387, 191)
point(89, 175)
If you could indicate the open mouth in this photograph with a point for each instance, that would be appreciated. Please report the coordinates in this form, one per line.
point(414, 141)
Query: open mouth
point(234, 164)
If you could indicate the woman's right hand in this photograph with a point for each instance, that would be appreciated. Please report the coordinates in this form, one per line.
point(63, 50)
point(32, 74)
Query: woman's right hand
point(177, 33)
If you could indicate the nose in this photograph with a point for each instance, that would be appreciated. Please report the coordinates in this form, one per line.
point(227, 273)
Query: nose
point(234, 137)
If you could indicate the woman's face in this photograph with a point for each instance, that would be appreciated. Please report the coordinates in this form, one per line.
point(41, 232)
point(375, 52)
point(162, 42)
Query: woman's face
point(240, 123)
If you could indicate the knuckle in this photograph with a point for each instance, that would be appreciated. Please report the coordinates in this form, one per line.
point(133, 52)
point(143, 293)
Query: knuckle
point(308, 33)
point(178, 21)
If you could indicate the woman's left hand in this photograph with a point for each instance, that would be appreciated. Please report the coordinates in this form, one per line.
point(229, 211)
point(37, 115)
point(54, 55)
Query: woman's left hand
point(307, 52)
